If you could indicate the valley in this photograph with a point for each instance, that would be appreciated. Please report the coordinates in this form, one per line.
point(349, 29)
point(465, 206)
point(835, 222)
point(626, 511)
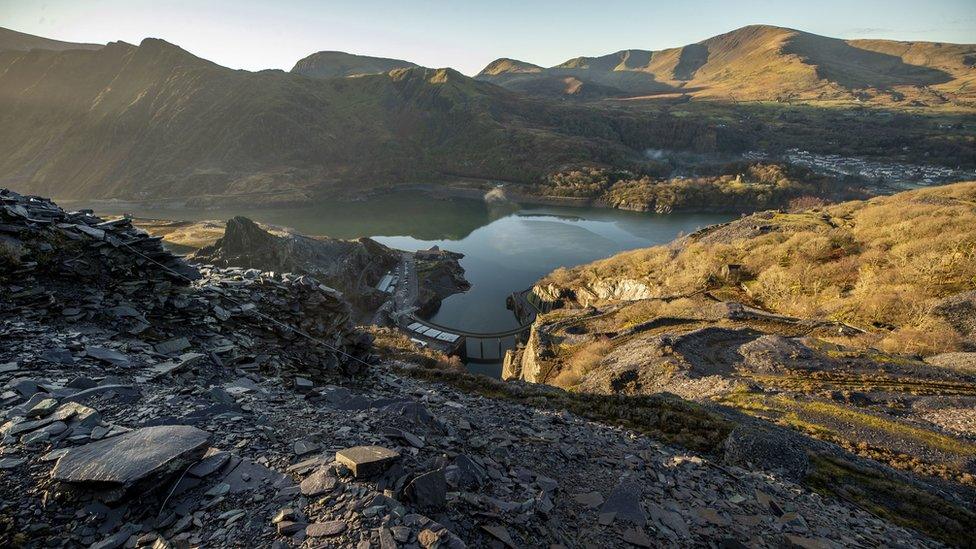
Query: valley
point(717, 293)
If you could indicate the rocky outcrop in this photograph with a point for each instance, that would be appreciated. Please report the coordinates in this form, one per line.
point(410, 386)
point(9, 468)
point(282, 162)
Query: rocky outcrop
point(439, 275)
point(351, 266)
point(602, 290)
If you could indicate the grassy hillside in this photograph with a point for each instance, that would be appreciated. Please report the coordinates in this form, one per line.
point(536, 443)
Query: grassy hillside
point(854, 324)
point(886, 266)
point(761, 62)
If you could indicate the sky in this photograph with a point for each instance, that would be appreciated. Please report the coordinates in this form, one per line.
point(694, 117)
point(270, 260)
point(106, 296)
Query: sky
point(466, 35)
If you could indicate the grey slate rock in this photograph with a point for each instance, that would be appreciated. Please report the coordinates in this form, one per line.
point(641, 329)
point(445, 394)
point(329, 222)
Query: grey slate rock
point(171, 346)
point(81, 383)
point(625, 501)
point(130, 457)
point(209, 464)
point(10, 463)
point(429, 490)
point(58, 356)
point(121, 393)
point(325, 529)
point(465, 473)
point(109, 356)
point(319, 482)
point(365, 461)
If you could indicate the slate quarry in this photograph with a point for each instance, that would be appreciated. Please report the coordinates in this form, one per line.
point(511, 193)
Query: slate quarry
point(192, 431)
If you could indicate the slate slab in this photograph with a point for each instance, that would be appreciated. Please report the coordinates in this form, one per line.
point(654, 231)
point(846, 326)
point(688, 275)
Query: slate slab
point(625, 501)
point(429, 490)
point(325, 529)
point(319, 482)
point(132, 456)
point(172, 346)
point(365, 461)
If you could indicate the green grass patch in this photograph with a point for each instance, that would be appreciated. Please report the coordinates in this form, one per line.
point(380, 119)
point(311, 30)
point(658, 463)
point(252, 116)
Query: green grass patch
point(893, 500)
point(666, 418)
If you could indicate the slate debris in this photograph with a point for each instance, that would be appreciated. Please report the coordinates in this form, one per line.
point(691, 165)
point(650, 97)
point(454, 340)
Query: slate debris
point(252, 459)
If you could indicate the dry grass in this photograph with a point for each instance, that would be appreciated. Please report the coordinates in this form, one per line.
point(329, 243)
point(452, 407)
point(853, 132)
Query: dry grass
point(582, 360)
point(880, 264)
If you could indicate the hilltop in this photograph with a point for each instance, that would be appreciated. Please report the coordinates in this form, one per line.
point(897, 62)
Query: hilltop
point(337, 64)
point(761, 62)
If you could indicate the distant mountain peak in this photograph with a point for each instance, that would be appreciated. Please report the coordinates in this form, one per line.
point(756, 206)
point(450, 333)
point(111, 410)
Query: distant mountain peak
point(511, 66)
point(339, 64)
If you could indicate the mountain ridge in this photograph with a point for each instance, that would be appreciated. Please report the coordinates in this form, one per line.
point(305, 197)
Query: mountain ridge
point(762, 62)
point(11, 40)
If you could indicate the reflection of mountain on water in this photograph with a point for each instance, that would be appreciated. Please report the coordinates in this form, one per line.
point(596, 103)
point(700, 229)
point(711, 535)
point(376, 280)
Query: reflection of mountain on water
point(553, 216)
point(397, 213)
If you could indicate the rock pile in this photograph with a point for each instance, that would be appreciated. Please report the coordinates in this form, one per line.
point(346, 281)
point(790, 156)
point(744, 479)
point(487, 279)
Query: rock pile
point(72, 267)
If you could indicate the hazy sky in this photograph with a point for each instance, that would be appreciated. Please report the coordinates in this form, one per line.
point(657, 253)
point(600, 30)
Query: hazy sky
point(466, 35)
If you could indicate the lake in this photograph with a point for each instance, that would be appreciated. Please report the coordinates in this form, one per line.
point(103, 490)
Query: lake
point(507, 246)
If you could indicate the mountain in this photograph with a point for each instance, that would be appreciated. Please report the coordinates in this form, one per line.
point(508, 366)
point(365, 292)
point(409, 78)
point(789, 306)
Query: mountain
point(153, 121)
point(11, 40)
point(505, 65)
point(337, 64)
point(762, 62)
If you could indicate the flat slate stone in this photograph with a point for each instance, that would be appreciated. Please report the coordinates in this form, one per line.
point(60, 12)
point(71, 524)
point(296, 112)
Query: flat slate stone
point(318, 483)
point(625, 501)
point(172, 346)
point(325, 529)
point(10, 463)
point(132, 456)
point(365, 461)
point(107, 355)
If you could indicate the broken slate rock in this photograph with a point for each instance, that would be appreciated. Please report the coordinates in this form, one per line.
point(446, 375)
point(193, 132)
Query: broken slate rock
point(10, 463)
point(209, 464)
point(625, 501)
point(172, 346)
point(325, 529)
point(107, 355)
point(366, 461)
point(319, 482)
point(132, 456)
point(429, 490)
point(501, 534)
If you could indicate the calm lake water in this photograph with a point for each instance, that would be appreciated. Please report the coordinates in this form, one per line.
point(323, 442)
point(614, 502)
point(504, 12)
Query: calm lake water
point(507, 246)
